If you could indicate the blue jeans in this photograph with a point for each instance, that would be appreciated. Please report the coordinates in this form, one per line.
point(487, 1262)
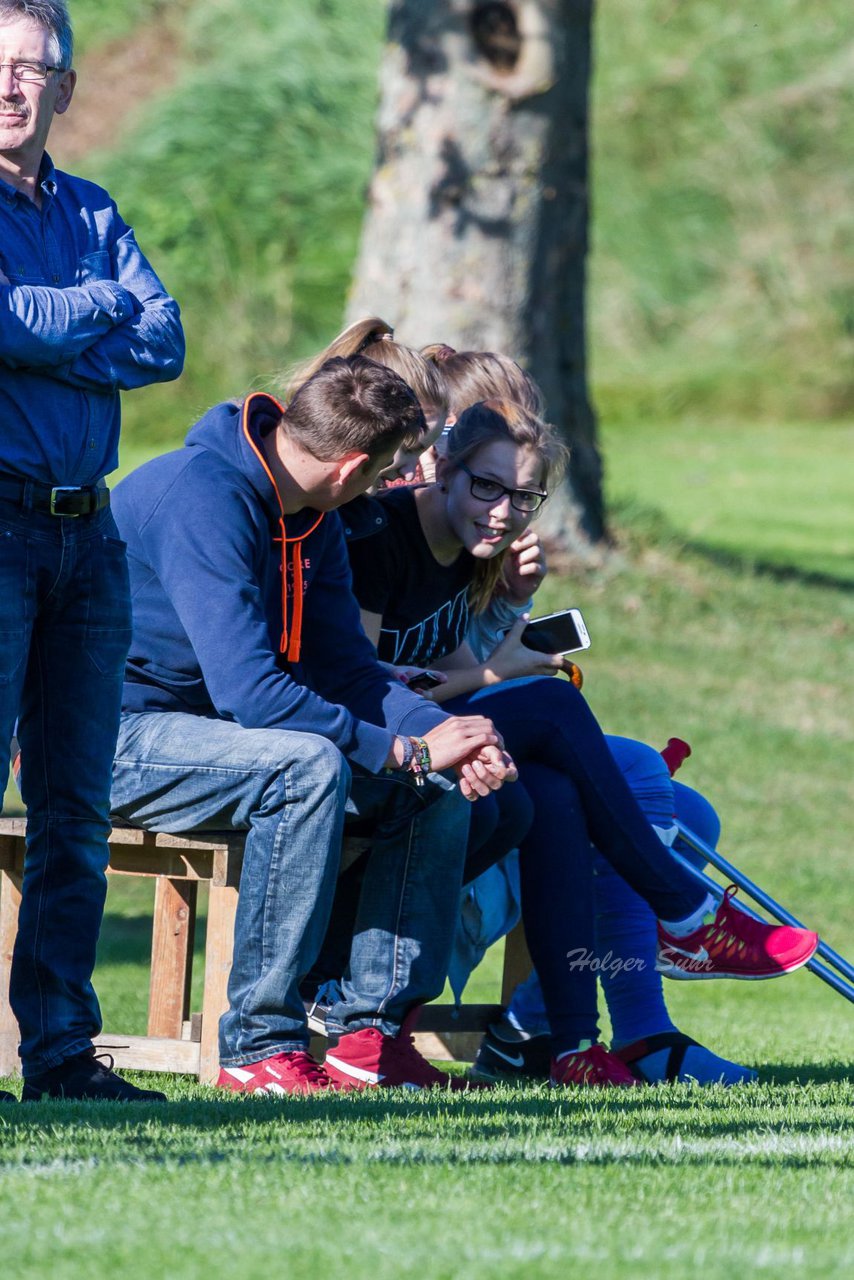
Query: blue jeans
point(64, 636)
point(289, 792)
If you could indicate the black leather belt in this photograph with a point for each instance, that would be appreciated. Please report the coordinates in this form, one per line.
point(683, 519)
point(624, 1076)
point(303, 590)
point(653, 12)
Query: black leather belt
point(62, 500)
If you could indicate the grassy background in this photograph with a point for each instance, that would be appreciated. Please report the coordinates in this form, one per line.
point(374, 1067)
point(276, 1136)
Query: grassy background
point(97, 22)
point(777, 495)
point(516, 1184)
point(721, 280)
point(721, 267)
point(721, 324)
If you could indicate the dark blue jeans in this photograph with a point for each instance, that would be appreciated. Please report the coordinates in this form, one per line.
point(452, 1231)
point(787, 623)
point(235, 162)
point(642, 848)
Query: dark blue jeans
point(580, 798)
point(64, 636)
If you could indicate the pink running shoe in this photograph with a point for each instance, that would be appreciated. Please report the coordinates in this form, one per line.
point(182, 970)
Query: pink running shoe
point(734, 945)
point(367, 1058)
point(283, 1073)
point(591, 1066)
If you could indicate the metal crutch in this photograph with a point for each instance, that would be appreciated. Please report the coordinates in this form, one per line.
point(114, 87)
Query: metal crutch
point(773, 908)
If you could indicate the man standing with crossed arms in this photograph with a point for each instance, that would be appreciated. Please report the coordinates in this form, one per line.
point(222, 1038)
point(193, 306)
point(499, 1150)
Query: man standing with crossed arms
point(82, 317)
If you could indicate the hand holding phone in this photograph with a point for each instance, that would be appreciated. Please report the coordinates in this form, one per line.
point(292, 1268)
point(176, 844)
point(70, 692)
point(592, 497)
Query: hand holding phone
point(511, 659)
point(561, 632)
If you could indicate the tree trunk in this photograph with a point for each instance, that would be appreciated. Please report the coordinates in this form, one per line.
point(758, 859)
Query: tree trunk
point(476, 230)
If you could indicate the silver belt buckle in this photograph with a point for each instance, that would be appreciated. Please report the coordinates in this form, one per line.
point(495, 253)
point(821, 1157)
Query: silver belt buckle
point(58, 493)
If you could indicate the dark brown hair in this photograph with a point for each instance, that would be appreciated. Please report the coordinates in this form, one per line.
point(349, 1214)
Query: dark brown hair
point(352, 405)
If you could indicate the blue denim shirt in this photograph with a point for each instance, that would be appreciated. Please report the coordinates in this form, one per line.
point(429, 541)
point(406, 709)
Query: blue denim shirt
point(83, 317)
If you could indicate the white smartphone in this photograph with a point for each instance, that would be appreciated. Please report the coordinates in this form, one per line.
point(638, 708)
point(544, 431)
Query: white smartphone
point(562, 632)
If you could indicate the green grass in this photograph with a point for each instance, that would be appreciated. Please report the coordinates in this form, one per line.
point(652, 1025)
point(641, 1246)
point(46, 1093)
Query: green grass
point(778, 494)
point(517, 1183)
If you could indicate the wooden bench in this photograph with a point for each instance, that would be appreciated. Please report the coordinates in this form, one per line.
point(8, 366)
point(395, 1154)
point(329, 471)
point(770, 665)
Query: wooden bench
point(178, 1040)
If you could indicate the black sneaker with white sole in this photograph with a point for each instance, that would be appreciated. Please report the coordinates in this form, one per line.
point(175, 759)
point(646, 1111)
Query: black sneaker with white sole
point(86, 1076)
point(506, 1053)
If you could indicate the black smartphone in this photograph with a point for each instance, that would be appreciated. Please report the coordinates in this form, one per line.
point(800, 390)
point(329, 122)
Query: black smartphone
point(562, 632)
point(423, 681)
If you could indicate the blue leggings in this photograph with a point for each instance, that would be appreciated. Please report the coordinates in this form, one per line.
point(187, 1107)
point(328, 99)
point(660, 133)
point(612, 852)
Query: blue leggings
point(625, 925)
point(580, 798)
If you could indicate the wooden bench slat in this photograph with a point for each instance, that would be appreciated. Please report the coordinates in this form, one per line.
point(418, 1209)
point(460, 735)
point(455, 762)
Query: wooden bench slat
point(150, 1053)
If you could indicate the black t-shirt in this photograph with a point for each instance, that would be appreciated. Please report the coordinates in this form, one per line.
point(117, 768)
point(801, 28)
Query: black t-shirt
point(424, 605)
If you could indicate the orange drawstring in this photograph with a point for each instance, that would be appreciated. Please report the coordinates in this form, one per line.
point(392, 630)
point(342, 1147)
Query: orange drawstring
point(283, 642)
point(296, 618)
point(290, 647)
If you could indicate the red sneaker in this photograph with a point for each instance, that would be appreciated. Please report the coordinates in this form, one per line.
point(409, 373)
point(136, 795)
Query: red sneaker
point(591, 1066)
point(283, 1073)
point(734, 945)
point(367, 1058)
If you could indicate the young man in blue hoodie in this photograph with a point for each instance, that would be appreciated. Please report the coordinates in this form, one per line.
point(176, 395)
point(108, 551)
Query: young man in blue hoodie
point(254, 701)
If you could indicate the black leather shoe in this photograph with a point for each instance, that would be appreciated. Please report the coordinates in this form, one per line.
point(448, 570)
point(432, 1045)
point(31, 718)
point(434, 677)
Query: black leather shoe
point(7, 1097)
point(85, 1075)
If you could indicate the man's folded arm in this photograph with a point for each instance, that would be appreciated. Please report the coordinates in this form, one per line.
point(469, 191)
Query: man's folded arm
point(146, 347)
point(46, 328)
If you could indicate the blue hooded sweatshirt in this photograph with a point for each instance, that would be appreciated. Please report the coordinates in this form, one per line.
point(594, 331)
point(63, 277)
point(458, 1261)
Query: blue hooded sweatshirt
point(215, 634)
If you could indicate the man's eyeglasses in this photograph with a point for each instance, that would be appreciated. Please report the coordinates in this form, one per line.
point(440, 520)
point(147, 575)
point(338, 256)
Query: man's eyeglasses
point(484, 490)
point(29, 70)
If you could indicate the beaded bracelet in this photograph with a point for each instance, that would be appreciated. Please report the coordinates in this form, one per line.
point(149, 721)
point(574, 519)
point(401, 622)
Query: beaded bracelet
point(420, 764)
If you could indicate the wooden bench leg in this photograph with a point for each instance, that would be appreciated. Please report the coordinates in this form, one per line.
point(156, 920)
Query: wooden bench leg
point(222, 909)
point(10, 904)
point(517, 962)
point(173, 932)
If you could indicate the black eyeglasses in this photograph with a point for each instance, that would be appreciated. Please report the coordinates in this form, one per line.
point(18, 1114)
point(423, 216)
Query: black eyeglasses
point(29, 71)
point(484, 490)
